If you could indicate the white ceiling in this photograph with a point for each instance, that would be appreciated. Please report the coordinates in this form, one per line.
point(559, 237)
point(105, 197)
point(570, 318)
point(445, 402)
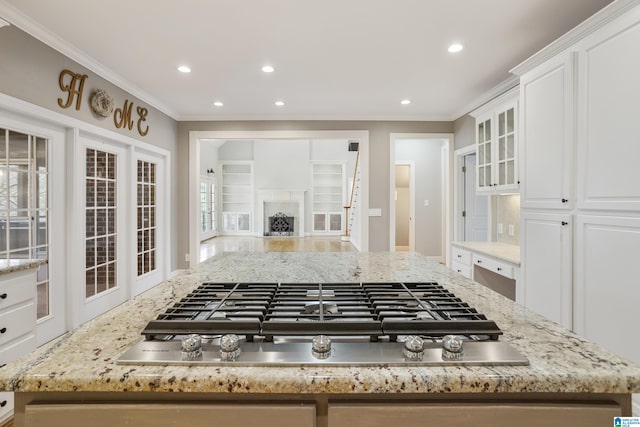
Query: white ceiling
point(333, 59)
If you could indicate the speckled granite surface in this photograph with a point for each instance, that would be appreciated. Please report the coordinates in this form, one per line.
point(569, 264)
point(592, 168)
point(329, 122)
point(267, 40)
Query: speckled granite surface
point(499, 250)
point(10, 265)
point(84, 360)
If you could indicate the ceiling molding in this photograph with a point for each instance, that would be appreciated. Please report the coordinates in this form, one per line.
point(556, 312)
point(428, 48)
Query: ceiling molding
point(590, 25)
point(3, 23)
point(489, 95)
point(31, 27)
point(316, 117)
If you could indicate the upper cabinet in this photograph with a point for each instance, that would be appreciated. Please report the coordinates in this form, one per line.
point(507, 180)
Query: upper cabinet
point(608, 175)
point(496, 145)
point(547, 137)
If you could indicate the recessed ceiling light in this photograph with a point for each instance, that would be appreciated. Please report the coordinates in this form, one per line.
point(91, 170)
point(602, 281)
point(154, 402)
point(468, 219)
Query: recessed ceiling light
point(405, 102)
point(454, 48)
point(184, 69)
point(268, 69)
point(218, 104)
point(279, 103)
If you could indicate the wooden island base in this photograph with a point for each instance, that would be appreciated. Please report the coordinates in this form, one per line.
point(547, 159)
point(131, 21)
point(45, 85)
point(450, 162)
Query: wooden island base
point(148, 409)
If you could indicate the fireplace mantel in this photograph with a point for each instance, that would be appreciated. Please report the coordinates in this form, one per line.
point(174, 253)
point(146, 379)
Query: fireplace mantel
point(295, 199)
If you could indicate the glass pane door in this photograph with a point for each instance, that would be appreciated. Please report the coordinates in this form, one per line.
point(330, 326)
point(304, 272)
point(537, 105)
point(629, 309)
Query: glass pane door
point(101, 228)
point(146, 223)
point(24, 209)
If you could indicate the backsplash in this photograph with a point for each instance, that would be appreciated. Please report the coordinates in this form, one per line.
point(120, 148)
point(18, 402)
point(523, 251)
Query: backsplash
point(508, 213)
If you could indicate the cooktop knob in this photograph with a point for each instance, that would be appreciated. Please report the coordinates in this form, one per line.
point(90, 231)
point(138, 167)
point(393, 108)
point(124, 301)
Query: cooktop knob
point(452, 347)
point(321, 346)
point(191, 347)
point(229, 347)
point(413, 348)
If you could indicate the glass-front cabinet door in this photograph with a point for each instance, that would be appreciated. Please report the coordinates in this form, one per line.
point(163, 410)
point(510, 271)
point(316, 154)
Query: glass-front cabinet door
point(484, 147)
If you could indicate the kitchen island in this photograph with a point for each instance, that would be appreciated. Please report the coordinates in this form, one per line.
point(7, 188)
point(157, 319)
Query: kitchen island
point(569, 381)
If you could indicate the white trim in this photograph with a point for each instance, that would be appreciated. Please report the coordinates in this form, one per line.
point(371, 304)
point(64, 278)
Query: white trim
point(489, 95)
point(447, 170)
point(458, 190)
point(34, 29)
point(319, 117)
point(194, 174)
point(609, 13)
point(19, 106)
point(3, 23)
point(496, 103)
point(635, 404)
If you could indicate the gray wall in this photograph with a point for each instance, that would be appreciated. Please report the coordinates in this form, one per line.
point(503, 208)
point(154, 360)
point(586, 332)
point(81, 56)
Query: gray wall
point(427, 155)
point(465, 131)
point(379, 134)
point(29, 70)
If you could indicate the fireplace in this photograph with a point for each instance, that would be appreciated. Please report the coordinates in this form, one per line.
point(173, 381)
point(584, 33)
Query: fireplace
point(282, 213)
point(281, 225)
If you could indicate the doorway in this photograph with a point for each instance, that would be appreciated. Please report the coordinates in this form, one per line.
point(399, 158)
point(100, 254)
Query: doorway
point(430, 156)
point(404, 206)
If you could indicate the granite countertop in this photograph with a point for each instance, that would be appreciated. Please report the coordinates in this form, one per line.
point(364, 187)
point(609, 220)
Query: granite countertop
point(10, 265)
point(84, 360)
point(499, 250)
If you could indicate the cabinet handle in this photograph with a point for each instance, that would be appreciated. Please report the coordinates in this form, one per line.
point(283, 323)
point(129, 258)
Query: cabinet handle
point(565, 201)
point(478, 261)
point(3, 404)
point(564, 223)
point(3, 296)
point(459, 256)
point(499, 268)
point(459, 271)
point(3, 330)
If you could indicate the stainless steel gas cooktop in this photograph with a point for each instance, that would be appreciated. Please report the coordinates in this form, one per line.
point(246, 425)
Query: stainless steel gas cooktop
point(359, 324)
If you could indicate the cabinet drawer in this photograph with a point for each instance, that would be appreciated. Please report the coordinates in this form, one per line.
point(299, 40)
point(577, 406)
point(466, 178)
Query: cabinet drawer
point(502, 269)
point(17, 287)
point(463, 269)
point(17, 348)
point(6, 406)
point(17, 321)
point(461, 256)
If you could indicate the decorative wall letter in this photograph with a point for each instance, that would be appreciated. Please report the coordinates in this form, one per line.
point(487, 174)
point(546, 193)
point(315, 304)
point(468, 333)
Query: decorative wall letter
point(142, 114)
point(122, 116)
point(73, 89)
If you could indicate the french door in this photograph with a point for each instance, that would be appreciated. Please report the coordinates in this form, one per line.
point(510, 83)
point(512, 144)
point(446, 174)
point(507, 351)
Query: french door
point(208, 223)
point(150, 222)
point(104, 177)
point(32, 212)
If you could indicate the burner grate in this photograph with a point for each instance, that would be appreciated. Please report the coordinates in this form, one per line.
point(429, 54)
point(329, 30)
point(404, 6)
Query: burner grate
point(335, 309)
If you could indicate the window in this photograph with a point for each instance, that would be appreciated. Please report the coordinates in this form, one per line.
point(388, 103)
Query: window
point(101, 210)
point(24, 205)
point(146, 217)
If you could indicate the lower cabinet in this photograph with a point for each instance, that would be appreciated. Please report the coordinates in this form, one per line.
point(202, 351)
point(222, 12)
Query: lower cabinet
point(607, 282)
point(545, 284)
point(169, 414)
point(477, 415)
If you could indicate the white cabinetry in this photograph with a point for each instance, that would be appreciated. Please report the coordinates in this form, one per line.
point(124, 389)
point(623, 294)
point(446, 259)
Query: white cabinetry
point(608, 282)
point(496, 145)
point(237, 197)
point(547, 136)
point(592, 86)
point(545, 285)
point(461, 262)
point(328, 184)
point(17, 323)
point(609, 118)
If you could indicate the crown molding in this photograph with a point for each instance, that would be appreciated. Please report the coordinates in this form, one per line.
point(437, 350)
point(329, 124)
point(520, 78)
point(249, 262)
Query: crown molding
point(31, 27)
point(582, 30)
point(3, 23)
point(489, 95)
point(317, 117)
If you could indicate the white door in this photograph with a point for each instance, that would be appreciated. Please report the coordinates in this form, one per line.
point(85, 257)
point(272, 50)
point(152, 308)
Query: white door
point(150, 235)
point(476, 207)
point(105, 186)
point(32, 217)
point(208, 214)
